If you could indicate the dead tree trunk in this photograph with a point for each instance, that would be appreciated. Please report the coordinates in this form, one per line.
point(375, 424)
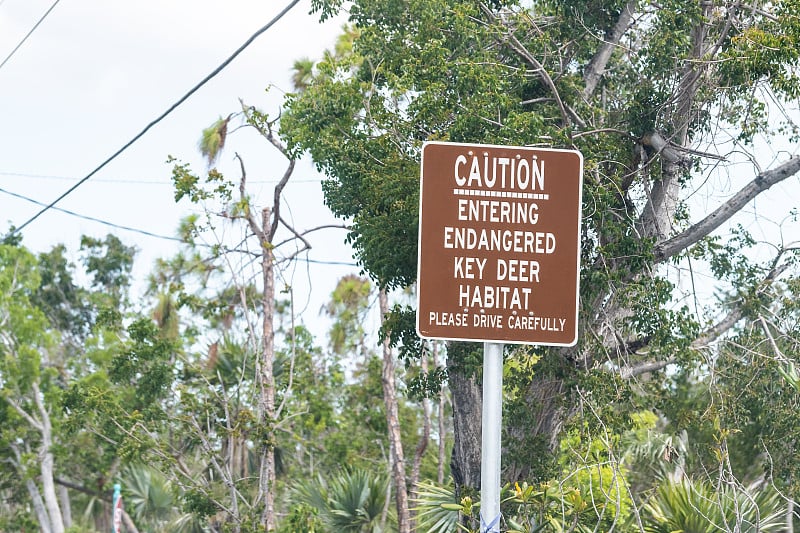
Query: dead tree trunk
point(422, 444)
point(267, 473)
point(46, 505)
point(264, 232)
point(393, 423)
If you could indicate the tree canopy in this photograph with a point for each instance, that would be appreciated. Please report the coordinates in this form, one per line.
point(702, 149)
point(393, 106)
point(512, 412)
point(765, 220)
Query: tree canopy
point(216, 410)
point(665, 101)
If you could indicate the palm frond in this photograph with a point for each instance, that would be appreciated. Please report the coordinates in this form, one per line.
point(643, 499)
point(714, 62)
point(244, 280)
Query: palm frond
point(434, 507)
point(213, 139)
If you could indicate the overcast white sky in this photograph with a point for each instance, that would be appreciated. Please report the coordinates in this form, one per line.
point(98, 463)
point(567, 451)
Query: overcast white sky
point(96, 72)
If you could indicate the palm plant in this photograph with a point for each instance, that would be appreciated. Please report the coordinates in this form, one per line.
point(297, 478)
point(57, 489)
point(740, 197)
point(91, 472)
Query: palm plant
point(302, 74)
point(436, 509)
point(148, 495)
point(152, 502)
point(351, 501)
point(697, 507)
point(526, 509)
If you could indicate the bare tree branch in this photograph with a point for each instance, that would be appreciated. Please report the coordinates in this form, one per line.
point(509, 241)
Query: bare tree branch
point(668, 248)
point(36, 424)
point(251, 221)
point(597, 66)
point(725, 33)
point(643, 368)
point(292, 360)
point(718, 329)
point(268, 134)
point(224, 472)
point(306, 244)
point(603, 130)
point(774, 345)
point(276, 204)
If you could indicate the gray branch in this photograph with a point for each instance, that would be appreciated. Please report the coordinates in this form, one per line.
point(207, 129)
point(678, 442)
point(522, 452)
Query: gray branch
point(36, 424)
point(276, 207)
point(668, 248)
point(597, 66)
point(251, 221)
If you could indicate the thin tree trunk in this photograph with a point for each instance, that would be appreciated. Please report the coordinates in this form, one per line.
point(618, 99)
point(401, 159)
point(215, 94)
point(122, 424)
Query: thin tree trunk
point(66, 509)
point(127, 521)
point(422, 444)
point(244, 459)
point(440, 465)
point(267, 473)
point(38, 506)
point(388, 501)
point(49, 491)
point(393, 422)
point(48, 465)
point(229, 469)
point(265, 232)
point(33, 491)
point(442, 440)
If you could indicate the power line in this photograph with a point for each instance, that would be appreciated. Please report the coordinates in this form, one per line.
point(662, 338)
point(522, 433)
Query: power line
point(92, 219)
point(124, 181)
point(148, 233)
point(147, 128)
point(14, 51)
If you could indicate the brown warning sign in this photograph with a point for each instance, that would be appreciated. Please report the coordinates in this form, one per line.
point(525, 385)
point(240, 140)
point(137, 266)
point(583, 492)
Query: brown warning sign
point(499, 244)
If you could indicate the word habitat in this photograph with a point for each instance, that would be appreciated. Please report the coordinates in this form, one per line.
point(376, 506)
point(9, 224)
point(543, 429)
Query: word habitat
point(494, 297)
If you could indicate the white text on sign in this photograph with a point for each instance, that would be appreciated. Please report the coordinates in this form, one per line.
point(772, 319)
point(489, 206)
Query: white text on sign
point(506, 172)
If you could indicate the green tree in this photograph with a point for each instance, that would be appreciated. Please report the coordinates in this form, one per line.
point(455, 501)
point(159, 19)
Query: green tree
point(660, 98)
point(29, 388)
point(348, 306)
point(47, 347)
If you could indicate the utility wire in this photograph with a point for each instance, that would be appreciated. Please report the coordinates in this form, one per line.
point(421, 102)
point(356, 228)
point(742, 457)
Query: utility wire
point(93, 219)
point(147, 233)
point(172, 108)
point(14, 51)
point(125, 181)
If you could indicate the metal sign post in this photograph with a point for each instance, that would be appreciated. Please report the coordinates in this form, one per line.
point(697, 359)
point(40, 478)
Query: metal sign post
point(491, 424)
